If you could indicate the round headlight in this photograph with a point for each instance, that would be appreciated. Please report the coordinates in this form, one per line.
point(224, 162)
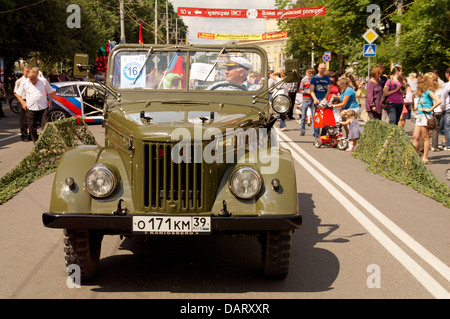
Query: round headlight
point(100, 181)
point(281, 103)
point(245, 183)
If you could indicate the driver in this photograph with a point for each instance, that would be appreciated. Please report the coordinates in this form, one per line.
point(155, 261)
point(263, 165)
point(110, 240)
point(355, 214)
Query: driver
point(237, 74)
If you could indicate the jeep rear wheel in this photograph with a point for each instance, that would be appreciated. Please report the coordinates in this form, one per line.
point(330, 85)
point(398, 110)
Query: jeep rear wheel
point(276, 253)
point(83, 249)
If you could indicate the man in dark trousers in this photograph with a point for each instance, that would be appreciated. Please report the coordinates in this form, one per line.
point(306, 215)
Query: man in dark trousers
point(24, 131)
point(37, 104)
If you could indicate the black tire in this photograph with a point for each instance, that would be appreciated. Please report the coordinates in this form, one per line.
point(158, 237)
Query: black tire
point(14, 105)
point(276, 253)
point(318, 143)
point(342, 144)
point(82, 247)
point(57, 114)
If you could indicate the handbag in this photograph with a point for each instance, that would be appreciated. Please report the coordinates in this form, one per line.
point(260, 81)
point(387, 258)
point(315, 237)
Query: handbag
point(318, 118)
point(384, 101)
point(431, 122)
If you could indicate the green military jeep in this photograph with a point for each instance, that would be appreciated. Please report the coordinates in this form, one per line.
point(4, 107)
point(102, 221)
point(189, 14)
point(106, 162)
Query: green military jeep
point(189, 150)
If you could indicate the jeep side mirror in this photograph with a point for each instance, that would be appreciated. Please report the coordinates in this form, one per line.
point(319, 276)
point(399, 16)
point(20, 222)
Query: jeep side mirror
point(80, 65)
point(292, 71)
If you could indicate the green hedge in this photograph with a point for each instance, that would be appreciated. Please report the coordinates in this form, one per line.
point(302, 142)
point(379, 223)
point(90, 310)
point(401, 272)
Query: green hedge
point(43, 159)
point(389, 152)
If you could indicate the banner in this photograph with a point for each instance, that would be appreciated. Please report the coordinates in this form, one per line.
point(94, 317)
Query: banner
point(266, 36)
point(252, 13)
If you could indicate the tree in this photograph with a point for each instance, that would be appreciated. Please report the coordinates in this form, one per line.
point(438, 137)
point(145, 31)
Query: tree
point(39, 29)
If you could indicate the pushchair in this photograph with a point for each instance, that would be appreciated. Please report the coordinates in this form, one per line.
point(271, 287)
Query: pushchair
point(332, 131)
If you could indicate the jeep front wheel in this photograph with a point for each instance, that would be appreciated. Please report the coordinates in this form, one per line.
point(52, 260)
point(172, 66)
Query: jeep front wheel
point(276, 253)
point(83, 249)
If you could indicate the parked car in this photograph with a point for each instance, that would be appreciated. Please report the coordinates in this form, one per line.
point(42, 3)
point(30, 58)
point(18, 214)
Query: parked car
point(78, 98)
point(190, 150)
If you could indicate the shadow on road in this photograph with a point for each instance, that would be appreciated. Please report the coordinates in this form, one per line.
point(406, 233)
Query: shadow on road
point(217, 264)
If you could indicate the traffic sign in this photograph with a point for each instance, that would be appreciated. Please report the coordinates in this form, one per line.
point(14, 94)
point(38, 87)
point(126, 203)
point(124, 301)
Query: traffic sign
point(370, 50)
point(370, 36)
point(327, 56)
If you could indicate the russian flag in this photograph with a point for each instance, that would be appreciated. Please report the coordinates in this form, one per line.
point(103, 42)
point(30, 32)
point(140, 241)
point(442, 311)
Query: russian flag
point(176, 66)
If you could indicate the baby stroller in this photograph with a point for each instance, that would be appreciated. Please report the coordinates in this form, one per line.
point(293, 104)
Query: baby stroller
point(333, 131)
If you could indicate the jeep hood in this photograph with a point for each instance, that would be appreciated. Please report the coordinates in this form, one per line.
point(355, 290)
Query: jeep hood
point(158, 122)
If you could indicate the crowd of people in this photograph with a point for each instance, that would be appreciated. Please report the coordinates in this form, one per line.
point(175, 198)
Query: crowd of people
point(392, 98)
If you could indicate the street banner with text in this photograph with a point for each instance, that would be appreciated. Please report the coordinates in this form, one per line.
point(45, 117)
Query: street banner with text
point(254, 37)
point(252, 13)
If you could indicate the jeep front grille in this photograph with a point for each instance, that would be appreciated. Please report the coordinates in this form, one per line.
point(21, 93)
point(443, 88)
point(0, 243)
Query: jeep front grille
point(169, 185)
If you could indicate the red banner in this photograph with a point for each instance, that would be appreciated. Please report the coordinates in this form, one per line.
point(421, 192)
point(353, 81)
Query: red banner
point(252, 13)
point(265, 36)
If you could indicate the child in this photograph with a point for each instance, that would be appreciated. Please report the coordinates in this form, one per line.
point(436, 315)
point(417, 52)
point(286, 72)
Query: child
point(354, 130)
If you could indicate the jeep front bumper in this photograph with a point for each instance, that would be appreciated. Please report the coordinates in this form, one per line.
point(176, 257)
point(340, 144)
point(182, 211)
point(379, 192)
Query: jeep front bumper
point(114, 224)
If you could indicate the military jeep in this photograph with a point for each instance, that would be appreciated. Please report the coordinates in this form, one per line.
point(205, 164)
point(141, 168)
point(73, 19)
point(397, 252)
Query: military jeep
point(190, 150)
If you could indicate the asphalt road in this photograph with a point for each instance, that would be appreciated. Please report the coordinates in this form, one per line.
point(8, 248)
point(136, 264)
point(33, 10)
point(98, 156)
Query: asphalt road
point(363, 237)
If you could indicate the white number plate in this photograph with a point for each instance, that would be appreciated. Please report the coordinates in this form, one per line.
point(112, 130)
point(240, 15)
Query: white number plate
point(172, 225)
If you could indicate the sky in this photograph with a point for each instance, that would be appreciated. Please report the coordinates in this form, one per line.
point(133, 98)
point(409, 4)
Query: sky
point(219, 25)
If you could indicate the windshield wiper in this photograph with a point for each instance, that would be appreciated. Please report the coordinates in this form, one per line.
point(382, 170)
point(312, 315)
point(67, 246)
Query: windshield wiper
point(149, 53)
point(215, 63)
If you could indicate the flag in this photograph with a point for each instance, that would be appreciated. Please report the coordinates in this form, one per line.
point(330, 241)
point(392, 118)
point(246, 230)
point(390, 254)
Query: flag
point(140, 35)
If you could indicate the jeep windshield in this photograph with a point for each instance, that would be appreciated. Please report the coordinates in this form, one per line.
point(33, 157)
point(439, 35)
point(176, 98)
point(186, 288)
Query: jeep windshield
point(169, 68)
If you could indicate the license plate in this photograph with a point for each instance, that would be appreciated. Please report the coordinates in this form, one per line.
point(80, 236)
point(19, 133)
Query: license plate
point(172, 225)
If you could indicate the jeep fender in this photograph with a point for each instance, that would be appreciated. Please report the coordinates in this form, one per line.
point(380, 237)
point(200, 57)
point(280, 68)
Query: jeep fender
point(275, 163)
point(75, 163)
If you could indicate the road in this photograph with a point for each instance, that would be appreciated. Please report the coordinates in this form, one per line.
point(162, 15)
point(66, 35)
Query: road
point(362, 237)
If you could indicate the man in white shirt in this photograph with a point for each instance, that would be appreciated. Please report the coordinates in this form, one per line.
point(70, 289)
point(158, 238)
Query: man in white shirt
point(445, 98)
point(24, 132)
point(36, 104)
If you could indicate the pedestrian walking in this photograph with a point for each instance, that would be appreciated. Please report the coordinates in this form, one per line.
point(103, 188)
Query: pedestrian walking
point(374, 95)
point(445, 95)
point(307, 101)
point(23, 112)
point(292, 89)
point(36, 89)
point(320, 87)
point(394, 90)
point(428, 101)
point(437, 114)
point(407, 103)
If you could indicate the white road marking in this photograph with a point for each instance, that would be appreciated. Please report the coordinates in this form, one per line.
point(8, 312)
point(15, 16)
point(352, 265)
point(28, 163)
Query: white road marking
point(412, 266)
point(9, 137)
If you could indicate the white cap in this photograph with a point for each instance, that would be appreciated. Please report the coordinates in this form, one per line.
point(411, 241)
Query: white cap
point(237, 60)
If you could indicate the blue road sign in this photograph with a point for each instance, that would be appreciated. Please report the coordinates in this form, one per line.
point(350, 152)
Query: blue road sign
point(370, 50)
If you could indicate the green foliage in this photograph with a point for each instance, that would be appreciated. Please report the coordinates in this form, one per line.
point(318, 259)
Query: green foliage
point(37, 30)
point(423, 43)
point(389, 152)
point(56, 138)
